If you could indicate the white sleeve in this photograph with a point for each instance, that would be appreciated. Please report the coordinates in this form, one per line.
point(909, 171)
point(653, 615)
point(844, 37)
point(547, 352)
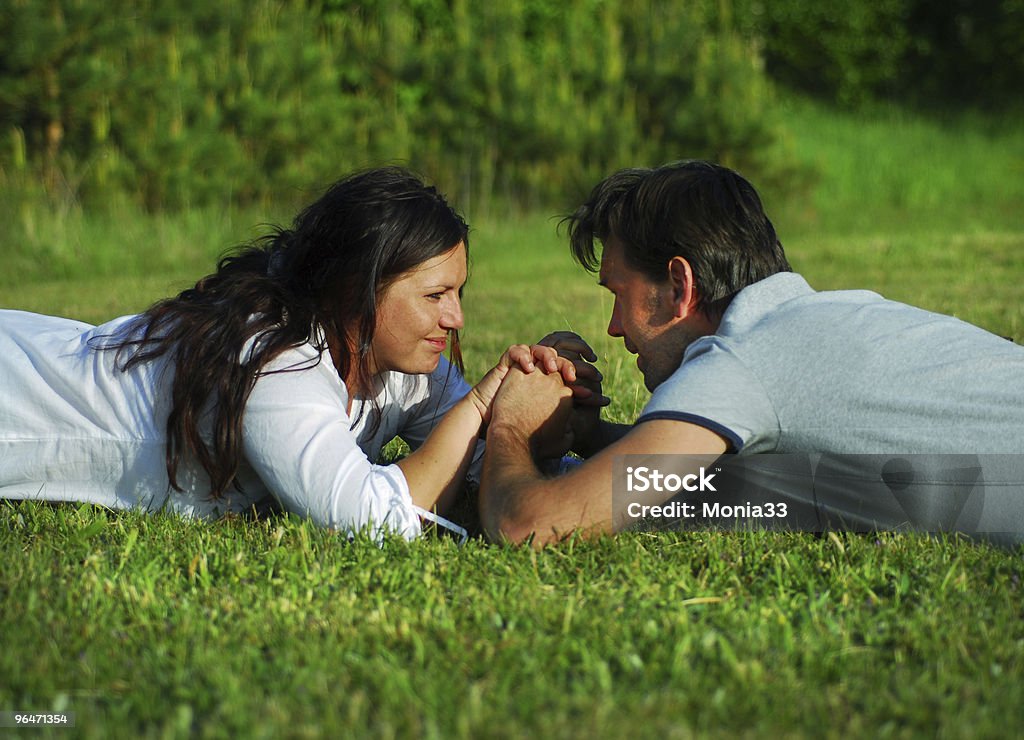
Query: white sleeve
point(297, 437)
point(445, 388)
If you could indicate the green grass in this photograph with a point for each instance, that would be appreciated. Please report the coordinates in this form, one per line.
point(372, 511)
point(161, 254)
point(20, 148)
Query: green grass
point(887, 171)
point(158, 626)
point(150, 624)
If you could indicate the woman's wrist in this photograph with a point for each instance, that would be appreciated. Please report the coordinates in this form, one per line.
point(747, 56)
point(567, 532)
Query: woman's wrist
point(475, 400)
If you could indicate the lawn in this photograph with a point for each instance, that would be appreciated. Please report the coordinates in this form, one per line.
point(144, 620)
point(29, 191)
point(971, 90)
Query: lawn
point(156, 626)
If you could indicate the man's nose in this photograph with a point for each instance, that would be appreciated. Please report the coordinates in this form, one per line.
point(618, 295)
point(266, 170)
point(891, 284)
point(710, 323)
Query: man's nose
point(615, 322)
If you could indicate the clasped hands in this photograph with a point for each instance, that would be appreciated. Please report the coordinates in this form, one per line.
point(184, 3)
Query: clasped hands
point(552, 410)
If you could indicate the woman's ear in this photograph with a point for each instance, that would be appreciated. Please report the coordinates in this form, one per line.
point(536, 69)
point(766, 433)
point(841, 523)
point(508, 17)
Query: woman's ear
point(684, 291)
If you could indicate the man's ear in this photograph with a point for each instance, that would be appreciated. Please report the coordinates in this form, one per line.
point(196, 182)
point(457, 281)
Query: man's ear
point(684, 290)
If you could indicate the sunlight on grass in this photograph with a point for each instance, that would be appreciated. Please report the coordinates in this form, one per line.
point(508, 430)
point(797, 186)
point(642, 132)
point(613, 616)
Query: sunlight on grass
point(891, 171)
point(158, 626)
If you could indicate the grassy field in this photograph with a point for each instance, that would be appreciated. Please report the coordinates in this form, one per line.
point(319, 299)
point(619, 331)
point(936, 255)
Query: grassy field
point(169, 628)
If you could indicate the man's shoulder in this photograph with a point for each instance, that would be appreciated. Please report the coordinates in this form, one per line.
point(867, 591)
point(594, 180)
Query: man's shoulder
point(762, 299)
point(784, 300)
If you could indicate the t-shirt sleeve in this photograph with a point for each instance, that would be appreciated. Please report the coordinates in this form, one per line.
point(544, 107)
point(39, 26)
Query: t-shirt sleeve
point(445, 388)
point(297, 437)
point(714, 389)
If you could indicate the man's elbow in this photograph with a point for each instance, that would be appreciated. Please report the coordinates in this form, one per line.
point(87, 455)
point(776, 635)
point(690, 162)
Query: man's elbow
point(513, 522)
point(518, 528)
point(500, 521)
point(512, 531)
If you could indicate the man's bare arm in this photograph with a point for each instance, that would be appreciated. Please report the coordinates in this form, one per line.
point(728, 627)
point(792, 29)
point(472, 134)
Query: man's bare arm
point(608, 433)
point(517, 501)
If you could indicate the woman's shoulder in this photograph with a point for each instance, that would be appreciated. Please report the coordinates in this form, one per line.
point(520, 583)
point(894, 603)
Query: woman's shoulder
point(12, 320)
point(36, 329)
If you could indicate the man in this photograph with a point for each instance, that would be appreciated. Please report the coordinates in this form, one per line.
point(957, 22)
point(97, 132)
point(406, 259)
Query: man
point(742, 356)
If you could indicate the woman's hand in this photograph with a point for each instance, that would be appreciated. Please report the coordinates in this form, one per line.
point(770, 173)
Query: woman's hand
point(537, 408)
point(526, 358)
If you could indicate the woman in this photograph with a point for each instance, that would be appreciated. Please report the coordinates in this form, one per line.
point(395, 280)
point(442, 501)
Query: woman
point(277, 379)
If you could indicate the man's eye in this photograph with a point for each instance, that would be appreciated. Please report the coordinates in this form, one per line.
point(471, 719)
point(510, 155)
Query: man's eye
point(435, 296)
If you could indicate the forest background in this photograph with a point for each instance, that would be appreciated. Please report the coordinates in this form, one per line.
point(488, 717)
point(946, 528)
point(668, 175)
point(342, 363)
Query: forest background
point(521, 104)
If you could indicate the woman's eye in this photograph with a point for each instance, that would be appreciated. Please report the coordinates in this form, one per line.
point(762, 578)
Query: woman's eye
point(435, 296)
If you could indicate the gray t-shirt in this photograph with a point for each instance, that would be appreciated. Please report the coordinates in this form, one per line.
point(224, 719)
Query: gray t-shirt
point(793, 370)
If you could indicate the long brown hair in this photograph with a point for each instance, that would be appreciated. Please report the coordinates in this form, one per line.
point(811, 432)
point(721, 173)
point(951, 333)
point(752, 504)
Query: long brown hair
point(320, 278)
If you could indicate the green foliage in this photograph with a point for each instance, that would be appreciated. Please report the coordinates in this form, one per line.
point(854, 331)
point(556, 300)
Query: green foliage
point(966, 51)
point(529, 101)
point(176, 103)
point(844, 51)
point(936, 55)
point(519, 103)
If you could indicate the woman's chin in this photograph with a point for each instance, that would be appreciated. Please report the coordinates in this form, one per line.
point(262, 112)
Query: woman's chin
point(419, 365)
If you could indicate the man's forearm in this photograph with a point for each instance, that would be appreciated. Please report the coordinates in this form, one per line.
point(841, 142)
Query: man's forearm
point(610, 433)
point(603, 434)
point(508, 484)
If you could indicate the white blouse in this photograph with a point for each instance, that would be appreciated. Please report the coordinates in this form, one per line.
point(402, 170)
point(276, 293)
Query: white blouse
point(75, 428)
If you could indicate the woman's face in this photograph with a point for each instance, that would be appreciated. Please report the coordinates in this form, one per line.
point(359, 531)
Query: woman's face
point(416, 313)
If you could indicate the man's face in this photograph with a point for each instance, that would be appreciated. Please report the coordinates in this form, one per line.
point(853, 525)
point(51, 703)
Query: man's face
point(644, 315)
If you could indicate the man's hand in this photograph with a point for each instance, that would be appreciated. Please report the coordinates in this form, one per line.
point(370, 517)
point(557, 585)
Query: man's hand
point(586, 386)
point(587, 390)
point(536, 408)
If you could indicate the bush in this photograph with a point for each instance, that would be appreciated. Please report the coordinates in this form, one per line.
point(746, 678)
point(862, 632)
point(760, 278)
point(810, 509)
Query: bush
point(181, 103)
point(927, 53)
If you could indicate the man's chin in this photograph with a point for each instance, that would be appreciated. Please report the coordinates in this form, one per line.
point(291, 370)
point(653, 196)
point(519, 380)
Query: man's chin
point(649, 383)
point(652, 378)
point(641, 366)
